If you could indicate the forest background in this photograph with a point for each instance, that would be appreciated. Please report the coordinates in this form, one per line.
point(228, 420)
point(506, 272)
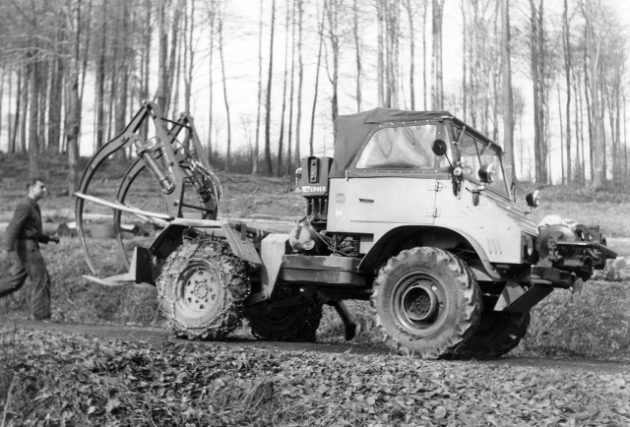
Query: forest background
point(265, 80)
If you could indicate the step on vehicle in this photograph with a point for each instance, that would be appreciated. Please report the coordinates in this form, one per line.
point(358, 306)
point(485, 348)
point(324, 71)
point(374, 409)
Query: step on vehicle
point(414, 212)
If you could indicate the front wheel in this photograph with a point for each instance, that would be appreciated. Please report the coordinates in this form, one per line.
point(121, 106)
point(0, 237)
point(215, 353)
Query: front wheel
point(427, 302)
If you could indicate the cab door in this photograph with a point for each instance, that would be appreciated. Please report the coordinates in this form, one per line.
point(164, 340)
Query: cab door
point(392, 182)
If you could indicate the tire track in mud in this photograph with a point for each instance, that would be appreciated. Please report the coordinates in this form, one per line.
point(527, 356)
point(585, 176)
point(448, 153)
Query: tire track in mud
point(161, 336)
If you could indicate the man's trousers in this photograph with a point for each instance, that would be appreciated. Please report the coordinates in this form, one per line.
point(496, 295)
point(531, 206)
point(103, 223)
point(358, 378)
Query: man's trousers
point(28, 261)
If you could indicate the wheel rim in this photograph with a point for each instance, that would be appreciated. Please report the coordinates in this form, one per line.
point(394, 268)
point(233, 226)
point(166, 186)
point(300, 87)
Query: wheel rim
point(419, 304)
point(200, 291)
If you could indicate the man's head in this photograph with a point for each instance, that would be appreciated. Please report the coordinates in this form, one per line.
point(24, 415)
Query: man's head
point(37, 189)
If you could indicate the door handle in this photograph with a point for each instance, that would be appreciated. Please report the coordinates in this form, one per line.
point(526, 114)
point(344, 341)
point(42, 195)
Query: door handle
point(362, 200)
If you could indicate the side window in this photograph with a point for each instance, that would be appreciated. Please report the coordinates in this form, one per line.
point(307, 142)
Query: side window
point(403, 147)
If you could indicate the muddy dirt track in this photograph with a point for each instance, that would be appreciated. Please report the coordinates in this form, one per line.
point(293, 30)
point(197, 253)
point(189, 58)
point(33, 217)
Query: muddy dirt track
point(157, 336)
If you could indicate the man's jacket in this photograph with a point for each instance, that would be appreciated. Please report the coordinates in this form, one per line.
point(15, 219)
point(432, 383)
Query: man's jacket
point(26, 224)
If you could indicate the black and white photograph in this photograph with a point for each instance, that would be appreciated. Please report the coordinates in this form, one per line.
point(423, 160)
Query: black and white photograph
point(314, 213)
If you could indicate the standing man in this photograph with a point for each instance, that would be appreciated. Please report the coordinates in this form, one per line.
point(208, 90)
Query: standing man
point(24, 234)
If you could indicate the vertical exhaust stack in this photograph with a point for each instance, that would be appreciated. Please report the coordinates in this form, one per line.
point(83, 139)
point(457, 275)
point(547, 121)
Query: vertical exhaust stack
point(313, 183)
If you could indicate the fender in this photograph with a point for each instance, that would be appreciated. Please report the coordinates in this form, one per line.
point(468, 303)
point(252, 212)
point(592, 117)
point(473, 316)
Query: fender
point(445, 238)
point(171, 237)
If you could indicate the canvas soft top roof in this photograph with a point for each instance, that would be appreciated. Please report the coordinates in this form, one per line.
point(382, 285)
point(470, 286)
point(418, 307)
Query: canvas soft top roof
point(353, 129)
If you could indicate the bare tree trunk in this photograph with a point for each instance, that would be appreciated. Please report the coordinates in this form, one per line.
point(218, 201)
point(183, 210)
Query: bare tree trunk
point(538, 73)
point(576, 111)
point(146, 61)
point(33, 120)
point(189, 54)
point(259, 94)
point(625, 142)
point(316, 91)
point(23, 141)
point(579, 175)
point(123, 72)
point(284, 92)
point(298, 116)
point(178, 45)
point(412, 55)
point(357, 51)
point(333, 36)
point(437, 86)
point(567, 74)
point(292, 90)
point(3, 70)
point(380, 64)
point(583, 149)
point(589, 115)
point(113, 77)
point(464, 60)
point(9, 121)
point(180, 63)
point(617, 92)
point(508, 99)
point(18, 109)
point(212, 19)
point(424, 54)
point(391, 46)
point(42, 76)
point(161, 96)
point(73, 101)
point(496, 74)
point(174, 54)
point(394, 31)
point(86, 50)
point(268, 162)
point(562, 182)
point(593, 48)
point(54, 106)
point(228, 157)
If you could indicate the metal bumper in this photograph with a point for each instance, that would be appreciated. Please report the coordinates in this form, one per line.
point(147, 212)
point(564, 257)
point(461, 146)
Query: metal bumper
point(549, 276)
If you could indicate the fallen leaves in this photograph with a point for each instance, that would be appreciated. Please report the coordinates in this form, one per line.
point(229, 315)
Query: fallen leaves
point(81, 381)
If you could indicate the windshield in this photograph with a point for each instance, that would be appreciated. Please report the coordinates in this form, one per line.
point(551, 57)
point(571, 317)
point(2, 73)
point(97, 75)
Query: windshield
point(473, 153)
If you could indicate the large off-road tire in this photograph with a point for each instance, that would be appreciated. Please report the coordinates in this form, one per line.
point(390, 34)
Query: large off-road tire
point(202, 288)
point(427, 302)
point(288, 317)
point(498, 333)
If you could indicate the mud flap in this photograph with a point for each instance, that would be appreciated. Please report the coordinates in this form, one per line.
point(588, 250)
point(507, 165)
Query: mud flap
point(519, 299)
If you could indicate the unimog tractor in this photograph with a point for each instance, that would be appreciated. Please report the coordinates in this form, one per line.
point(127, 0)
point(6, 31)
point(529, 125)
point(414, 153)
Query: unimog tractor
point(414, 213)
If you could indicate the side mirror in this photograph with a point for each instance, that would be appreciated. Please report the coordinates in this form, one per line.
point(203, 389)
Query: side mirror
point(439, 147)
point(532, 199)
point(486, 173)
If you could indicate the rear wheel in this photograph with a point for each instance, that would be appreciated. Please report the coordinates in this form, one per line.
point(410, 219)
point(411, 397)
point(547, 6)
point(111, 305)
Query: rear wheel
point(427, 302)
point(498, 333)
point(287, 317)
point(202, 289)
